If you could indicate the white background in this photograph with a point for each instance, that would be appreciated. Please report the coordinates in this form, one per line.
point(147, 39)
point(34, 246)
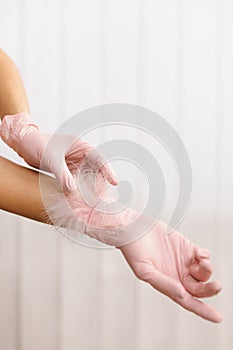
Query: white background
point(174, 57)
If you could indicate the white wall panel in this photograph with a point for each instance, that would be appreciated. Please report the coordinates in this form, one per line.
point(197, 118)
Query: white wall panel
point(158, 91)
point(40, 48)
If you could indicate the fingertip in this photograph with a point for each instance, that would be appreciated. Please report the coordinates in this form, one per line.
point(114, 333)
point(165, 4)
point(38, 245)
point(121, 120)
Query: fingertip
point(206, 265)
point(201, 253)
point(113, 181)
point(201, 270)
point(218, 318)
point(218, 287)
point(110, 178)
point(110, 174)
point(212, 314)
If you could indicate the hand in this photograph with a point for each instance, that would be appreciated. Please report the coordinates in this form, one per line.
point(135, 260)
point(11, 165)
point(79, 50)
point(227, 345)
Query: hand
point(169, 262)
point(176, 267)
point(62, 155)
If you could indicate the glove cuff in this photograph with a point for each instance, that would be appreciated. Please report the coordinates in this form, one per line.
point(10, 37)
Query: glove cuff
point(14, 127)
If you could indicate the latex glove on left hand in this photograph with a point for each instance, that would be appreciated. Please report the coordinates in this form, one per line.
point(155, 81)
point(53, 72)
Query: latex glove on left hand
point(58, 154)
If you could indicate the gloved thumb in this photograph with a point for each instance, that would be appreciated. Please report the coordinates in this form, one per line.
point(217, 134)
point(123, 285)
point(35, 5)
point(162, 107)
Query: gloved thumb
point(65, 177)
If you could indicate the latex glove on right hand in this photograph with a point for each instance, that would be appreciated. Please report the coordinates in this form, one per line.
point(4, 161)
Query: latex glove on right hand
point(170, 263)
point(175, 267)
point(58, 154)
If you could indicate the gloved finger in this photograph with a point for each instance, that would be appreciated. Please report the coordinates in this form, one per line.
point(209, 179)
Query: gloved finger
point(65, 177)
point(200, 308)
point(97, 162)
point(72, 166)
point(202, 270)
point(199, 289)
point(165, 284)
point(201, 253)
point(109, 174)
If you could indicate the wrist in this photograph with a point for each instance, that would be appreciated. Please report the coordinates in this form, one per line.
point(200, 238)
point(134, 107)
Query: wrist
point(14, 127)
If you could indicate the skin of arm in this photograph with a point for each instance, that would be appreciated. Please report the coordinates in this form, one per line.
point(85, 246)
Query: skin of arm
point(20, 191)
point(13, 98)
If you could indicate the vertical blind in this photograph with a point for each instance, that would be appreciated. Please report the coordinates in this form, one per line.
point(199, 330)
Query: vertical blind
point(174, 57)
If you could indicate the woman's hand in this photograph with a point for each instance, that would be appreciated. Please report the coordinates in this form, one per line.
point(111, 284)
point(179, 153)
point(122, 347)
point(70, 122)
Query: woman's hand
point(170, 263)
point(176, 267)
point(58, 154)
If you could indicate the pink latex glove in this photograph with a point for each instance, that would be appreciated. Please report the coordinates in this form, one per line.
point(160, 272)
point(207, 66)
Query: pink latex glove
point(175, 267)
point(61, 157)
point(169, 262)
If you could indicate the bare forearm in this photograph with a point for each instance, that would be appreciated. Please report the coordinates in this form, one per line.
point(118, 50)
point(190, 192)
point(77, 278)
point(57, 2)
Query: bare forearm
point(13, 97)
point(20, 191)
